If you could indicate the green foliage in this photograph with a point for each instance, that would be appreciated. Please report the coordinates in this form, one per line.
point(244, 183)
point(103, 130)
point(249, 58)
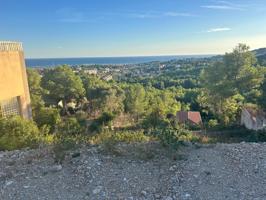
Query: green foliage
point(229, 81)
point(135, 101)
point(17, 133)
point(36, 91)
point(120, 136)
point(103, 96)
point(70, 126)
point(262, 98)
point(174, 137)
point(62, 84)
point(236, 74)
point(154, 120)
point(104, 120)
point(165, 101)
point(62, 144)
point(212, 123)
point(109, 140)
point(81, 117)
point(49, 117)
point(113, 100)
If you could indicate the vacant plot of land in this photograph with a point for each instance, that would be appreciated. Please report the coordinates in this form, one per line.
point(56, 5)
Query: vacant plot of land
point(222, 171)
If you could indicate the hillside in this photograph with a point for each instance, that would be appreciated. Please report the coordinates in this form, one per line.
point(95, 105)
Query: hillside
point(221, 171)
point(260, 52)
point(261, 55)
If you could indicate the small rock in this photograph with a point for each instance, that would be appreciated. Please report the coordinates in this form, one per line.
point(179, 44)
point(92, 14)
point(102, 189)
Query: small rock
point(9, 183)
point(187, 195)
point(56, 168)
point(207, 173)
point(75, 155)
point(144, 193)
point(172, 168)
point(97, 190)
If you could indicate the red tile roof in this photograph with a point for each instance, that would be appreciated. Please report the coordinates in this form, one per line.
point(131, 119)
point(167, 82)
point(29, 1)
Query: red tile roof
point(193, 117)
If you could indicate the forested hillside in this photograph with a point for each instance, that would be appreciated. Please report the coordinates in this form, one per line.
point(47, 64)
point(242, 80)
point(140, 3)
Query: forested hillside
point(140, 103)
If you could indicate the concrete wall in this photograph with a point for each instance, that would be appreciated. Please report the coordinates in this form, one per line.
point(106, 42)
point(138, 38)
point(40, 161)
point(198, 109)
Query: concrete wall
point(251, 124)
point(247, 121)
point(13, 76)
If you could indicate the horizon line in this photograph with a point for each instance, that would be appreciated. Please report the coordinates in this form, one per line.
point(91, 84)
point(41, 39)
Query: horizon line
point(129, 56)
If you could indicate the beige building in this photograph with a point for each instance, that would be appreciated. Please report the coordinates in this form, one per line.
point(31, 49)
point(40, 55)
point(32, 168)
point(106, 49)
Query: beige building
point(253, 118)
point(14, 90)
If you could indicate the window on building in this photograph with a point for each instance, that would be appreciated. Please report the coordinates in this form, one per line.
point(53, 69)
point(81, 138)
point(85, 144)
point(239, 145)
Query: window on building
point(9, 107)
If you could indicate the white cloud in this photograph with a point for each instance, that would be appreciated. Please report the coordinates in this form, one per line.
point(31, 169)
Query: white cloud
point(225, 5)
point(154, 14)
point(178, 14)
point(222, 29)
point(70, 15)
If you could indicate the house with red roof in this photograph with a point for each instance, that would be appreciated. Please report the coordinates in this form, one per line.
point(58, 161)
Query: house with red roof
point(190, 117)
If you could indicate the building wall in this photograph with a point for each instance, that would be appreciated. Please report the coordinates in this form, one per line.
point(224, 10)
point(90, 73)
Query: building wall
point(13, 76)
point(246, 120)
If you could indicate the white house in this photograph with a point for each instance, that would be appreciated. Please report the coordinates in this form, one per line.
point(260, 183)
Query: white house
point(91, 71)
point(107, 77)
point(253, 119)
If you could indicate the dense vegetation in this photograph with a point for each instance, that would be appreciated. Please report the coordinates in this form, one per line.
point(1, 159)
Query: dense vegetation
point(68, 104)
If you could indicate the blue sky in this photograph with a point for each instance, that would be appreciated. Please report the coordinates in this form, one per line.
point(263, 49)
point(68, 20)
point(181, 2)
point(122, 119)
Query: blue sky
point(80, 28)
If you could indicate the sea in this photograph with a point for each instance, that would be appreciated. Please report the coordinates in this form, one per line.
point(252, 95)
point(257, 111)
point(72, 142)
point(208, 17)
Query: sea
point(51, 62)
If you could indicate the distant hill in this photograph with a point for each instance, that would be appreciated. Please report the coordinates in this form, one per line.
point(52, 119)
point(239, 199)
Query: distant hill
point(260, 52)
point(261, 55)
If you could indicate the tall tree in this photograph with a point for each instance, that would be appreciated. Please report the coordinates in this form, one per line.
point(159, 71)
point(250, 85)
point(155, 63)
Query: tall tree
point(36, 91)
point(62, 84)
point(236, 74)
point(262, 99)
point(135, 101)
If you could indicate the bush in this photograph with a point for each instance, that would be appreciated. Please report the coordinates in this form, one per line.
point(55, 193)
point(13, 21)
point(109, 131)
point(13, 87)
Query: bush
point(123, 136)
point(104, 120)
point(154, 120)
point(17, 133)
point(174, 137)
point(62, 144)
point(81, 116)
point(48, 117)
point(212, 123)
point(70, 126)
point(109, 140)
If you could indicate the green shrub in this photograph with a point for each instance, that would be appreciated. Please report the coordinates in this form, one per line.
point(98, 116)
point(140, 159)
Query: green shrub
point(154, 120)
point(104, 120)
point(109, 140)
point(48, 117)
point(123, 136)
point(17, 133)
point(212, 123)
point(82, 116)
point(174, 137)
point(62, 144)
point(70, 126)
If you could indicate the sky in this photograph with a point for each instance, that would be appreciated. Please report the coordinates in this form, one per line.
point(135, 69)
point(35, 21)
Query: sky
point(103, 28)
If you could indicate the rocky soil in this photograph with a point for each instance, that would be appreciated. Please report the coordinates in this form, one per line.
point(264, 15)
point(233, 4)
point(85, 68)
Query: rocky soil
point(221, 171)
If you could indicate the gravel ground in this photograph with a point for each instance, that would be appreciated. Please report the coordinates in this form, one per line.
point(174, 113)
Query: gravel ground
point(222, 171)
